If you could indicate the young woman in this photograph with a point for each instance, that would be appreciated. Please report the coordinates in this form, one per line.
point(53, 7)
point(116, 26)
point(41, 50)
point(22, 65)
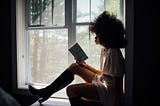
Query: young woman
point(104, 84)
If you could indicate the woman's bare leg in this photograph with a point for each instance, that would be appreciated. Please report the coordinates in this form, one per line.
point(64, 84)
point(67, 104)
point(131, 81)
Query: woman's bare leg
point(81, 71)
point(85, 90)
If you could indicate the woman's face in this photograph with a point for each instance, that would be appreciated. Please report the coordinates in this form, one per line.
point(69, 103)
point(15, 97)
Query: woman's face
point(97, 40)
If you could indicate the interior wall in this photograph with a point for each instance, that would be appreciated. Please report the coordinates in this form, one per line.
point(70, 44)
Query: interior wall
point(5, 32)
point(146, 32)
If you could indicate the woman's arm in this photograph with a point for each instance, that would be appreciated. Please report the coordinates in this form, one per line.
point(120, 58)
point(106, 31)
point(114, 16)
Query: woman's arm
point(84, 64)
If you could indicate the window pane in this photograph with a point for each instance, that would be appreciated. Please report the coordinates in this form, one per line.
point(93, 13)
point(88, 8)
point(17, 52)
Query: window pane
point(97, 7)
point(87, 42)
point(48, 54)
point(59, 13)
point(89, 9)
point(46, 13)
point(83, 10)
point(113, 6)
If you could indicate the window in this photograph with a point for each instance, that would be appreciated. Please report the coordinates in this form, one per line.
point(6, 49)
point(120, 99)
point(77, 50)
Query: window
point(45, 31)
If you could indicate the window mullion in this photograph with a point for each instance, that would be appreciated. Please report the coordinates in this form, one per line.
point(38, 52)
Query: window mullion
point(52, 10)
point(41, 10)
point(69, 21)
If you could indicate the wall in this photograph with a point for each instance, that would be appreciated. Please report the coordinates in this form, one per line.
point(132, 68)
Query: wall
point(146, 32)
point(5, 30)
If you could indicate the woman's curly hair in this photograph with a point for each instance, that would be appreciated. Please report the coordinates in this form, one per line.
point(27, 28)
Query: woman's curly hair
point(109, 29)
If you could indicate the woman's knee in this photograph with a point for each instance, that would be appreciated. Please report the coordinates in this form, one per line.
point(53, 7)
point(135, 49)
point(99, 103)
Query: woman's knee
point(71, 91)
point(73, 67)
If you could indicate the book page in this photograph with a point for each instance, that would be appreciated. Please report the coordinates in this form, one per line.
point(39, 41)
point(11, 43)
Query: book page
point(78, 52)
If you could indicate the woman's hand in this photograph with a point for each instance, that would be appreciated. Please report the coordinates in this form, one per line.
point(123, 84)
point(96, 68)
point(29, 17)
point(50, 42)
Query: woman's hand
point(99, 72)
point(77, 61)
point(82, 63)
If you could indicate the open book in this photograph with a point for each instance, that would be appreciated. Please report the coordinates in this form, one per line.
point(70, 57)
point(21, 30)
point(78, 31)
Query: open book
point(78, 52)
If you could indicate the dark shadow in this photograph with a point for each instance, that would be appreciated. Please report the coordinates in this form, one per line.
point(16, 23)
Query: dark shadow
point(26, 100)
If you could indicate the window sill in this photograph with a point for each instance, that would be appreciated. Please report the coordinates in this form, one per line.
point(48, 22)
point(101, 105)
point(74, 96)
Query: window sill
point(53, 102)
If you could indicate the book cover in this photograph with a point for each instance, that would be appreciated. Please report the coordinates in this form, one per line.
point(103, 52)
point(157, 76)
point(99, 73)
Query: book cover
point(78, 52)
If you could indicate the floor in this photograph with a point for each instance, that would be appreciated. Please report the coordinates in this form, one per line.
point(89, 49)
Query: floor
point(53, 102)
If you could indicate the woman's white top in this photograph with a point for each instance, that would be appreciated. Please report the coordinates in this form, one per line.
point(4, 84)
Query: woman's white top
point(111, 63)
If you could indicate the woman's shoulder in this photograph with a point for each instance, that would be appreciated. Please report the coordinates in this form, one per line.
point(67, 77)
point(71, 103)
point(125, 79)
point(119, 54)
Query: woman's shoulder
point(110, 51)
point(104, 52)
point(104, 49)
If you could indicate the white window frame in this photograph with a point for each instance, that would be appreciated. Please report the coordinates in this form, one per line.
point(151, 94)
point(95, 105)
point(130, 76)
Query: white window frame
point(21, 43)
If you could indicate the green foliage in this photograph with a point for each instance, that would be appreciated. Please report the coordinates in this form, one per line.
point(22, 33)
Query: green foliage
point(36, 8)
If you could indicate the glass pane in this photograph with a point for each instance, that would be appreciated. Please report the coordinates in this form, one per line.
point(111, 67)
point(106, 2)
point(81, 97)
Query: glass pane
point(83, 10)
point(97, 7)
point(88, 44)
point(46, 13)
point(59, 13)
point(48, 54)
point(89, 9)
point(113, 6)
